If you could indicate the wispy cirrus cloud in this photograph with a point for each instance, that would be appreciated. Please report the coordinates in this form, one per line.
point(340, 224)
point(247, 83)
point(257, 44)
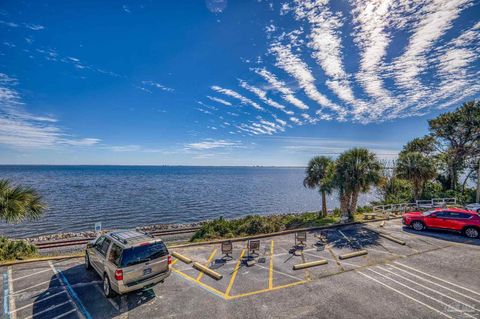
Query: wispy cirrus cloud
point(238, 96)
point(210, 144)
point(325, 42)
point(434, 20)
point(219, 100)
point(262, 95)
point(19, 128)
point(156, 85)
point(280, 86)
point(298, 69)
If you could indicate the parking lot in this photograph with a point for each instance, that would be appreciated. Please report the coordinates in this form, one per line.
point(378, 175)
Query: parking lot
point(434, 274)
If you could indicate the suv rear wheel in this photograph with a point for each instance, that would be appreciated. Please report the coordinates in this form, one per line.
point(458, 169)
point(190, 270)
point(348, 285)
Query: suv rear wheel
point(471, 232)
point(88, 266)
point(107, 289)
point(417, 225)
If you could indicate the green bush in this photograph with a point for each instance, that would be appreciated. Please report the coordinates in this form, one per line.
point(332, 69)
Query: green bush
point(255, 224)
point(15, 249)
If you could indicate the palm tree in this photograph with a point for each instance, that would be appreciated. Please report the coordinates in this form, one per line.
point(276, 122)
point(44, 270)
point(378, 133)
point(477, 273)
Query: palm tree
point(356, 171)
point(319, 175)
point(416, 168)
point(18, 203)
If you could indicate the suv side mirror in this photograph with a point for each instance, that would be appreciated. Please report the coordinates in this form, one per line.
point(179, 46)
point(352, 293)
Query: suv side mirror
point(433, 216)
point(89, 245)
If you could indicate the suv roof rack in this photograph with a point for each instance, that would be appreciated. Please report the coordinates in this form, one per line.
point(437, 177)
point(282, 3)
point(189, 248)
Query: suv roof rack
point(126, 236)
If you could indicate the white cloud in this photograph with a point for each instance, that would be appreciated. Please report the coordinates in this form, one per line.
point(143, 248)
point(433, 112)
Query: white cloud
point(34, 27)
point(325, 42)
point(262, 95)
point(435, 19)
point(157, 86)
point(19, 128)
point(219, 100)
point(212, 144)
point(280, 86)
point(299, 70)
point(238, 96)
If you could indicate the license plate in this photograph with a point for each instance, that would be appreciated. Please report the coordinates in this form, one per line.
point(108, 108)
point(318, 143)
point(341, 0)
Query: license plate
point(147, 271)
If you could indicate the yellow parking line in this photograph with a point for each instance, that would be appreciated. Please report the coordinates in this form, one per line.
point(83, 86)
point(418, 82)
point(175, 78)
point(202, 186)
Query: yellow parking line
point(211, 289)
point(265, 290)
point(235, 271)
point(174, 262)
point(270, 274)
point(200, 275)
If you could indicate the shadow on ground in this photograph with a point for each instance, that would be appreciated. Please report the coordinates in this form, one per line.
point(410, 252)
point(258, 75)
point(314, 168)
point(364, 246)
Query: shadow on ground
point(444, 235)
point(85, 289)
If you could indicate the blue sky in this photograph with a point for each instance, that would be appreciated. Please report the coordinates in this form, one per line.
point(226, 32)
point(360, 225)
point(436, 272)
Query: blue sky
point(220, 82)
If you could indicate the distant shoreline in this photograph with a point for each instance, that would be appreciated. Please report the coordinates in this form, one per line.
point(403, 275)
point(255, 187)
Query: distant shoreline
point(149, 165)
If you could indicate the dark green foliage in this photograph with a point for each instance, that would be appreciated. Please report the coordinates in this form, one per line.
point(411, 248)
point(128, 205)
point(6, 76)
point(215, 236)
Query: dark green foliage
point(253, 225)
point(416, 168)
point(18, 203)
point(424, 145)
point(396, 190)
point(15, 249)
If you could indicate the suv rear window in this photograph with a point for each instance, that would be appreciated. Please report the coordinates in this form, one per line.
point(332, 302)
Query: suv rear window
point(144, 253)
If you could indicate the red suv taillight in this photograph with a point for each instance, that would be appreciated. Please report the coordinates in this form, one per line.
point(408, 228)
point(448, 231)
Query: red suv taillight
point(119, 274)
point(169, 259)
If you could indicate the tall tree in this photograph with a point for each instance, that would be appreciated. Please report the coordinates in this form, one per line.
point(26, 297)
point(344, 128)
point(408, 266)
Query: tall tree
point(458, 134)
point(319, 175)
point(424, 145)
point(356, 170)
point(416, 168)
point(18, 203)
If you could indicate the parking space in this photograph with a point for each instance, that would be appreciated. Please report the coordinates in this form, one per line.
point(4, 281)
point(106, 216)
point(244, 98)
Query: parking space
point(431, 275)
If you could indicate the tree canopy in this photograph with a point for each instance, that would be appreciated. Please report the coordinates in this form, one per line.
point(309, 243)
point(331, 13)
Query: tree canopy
point(18, 203)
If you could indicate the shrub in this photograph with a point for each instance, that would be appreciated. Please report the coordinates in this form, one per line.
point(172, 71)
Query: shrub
point(255, 224)
point(15, 249)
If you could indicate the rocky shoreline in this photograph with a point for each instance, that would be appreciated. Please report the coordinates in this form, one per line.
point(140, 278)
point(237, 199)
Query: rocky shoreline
point(92, 234)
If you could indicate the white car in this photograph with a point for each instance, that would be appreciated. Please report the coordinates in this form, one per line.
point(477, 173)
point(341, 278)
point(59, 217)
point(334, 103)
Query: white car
point(474, 207)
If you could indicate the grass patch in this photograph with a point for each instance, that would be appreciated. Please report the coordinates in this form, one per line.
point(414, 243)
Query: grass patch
point(16, 249)
point(255, 224)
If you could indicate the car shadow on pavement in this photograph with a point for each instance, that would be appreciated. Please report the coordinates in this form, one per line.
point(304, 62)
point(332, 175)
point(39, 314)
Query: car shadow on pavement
point(444, 235)
point(82, 290)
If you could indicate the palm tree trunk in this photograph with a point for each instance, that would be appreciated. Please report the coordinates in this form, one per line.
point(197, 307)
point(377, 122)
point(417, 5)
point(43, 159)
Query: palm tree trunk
point(344, 202)
point(353, 203)
point(324, 204)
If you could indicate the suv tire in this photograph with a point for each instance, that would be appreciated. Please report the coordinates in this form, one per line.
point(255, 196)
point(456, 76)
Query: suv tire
point(107, 288)
point(418, 225)
point(88, 265)
point(471, 232)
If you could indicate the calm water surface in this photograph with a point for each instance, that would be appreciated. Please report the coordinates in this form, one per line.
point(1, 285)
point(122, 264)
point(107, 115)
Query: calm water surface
point(128, 196)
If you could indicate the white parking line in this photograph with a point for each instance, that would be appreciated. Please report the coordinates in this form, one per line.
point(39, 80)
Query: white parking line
point(280, 272)
point(73, 297)
point(405, 295)
point(439, 279)
point(436, 284)
point(65, 314)
point(49, 308)
point(423, 294)
point(33, 286)
point(430, 289)
point(38, 301)
point(11, 299)
point(344, 236)
point(36, 273)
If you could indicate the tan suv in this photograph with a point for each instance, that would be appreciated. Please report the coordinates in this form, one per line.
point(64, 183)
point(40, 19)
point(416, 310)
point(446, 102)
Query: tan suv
point(128, 261)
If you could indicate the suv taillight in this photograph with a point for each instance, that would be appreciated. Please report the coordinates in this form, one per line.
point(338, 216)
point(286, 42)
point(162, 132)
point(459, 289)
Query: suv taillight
point(169, 259)
point(119, 274)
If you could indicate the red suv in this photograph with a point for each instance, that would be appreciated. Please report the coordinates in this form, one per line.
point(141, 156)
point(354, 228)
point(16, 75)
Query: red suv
point(460, 220)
